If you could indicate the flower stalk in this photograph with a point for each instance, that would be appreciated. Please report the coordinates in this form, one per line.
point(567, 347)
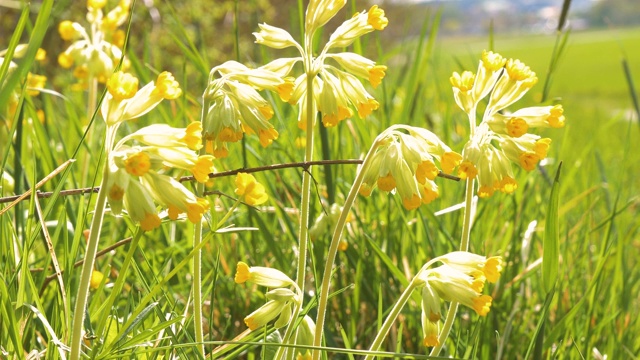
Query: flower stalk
point(335, 242)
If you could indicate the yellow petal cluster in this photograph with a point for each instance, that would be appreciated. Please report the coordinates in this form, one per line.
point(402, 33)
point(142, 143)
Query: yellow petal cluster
point(405, 162)
point(502, 138)
point(251, 191)
point(96, 52)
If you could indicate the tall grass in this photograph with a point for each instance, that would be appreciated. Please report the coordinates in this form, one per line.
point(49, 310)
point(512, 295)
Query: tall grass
point(143, 307)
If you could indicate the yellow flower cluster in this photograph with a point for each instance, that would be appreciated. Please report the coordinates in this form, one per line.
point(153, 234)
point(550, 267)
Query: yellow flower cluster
point(96, 51)
point(251, 191)
point(137, 178)
point(461, 278)
point(501, 138)
point(337, 92)
point(35, 82)
point(406, 162)
point(281, 299)
point(236, 107)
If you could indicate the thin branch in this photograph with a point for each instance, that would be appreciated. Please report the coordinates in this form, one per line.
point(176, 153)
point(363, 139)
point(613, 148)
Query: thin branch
point(17, 199)
point(304, 165)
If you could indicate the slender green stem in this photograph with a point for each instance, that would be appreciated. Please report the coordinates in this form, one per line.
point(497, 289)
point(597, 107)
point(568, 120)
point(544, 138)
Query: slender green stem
point(288, 333)
point(197, 258)
point(228, 214)
point(197, 282)
point(304, 205)
point(87, 267)
point(464, 246)
point(333, 247)
point(306, 187)
point(416, 282)
point(91, 108)
point(393, 315)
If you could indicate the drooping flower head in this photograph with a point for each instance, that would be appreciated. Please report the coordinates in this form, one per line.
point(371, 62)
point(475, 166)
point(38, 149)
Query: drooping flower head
point(139, 163)
point(406, 162)
point(236, 106)
point(338, 92)
point(281, 299)
point(95, 51)
point(502, 137)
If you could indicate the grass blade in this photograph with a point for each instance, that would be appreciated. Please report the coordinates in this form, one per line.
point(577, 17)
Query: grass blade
point(551, 246)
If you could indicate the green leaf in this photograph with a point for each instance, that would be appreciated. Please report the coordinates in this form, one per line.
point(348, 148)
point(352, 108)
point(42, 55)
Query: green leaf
point(551, 244)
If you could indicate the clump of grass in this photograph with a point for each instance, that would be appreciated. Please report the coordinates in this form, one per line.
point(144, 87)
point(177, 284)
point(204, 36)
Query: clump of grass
point(143, 306)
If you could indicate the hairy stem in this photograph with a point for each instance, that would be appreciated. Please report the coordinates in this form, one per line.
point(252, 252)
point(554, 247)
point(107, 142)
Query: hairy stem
point(333, 247)
point(197, 259)
point(464, 246)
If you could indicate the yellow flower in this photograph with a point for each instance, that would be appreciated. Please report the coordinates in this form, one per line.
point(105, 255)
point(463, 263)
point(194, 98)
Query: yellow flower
point(96, 279)
point(125, 102)
point(452, 284)
point(274, 37)
point(319, 12)
point(35, 83)
point(252, 191)
point(406, 162)
point(280, 304)
point(96, 4)
point(166, 87)
point(137, 164)
point(122, 86)
point(263, 276)
point(501, 138)
point(69, 30)
point(376, 18)
point(140, 207)
point(468, 263)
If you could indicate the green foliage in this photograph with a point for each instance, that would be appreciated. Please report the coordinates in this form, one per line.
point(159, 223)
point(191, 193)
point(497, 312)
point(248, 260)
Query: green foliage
point(143, 308)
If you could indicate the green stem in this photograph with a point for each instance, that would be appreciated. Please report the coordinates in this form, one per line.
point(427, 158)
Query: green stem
point(395, 311)
point(87, 267)
point(464, 246)
point(197, 282)
point(197, 258)
point(335, 241)
point(393, 315)
point(91, 108)
point(306, 186)
point(304, 206)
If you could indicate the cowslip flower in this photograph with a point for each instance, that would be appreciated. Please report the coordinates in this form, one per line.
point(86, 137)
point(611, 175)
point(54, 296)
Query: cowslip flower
point(125, 102)
point(337, 91)
point(406, 162)
point(430, 316)
point(469, 263)
point(251, 191)
point(461, 278)
point(279, 305)
point(263, 276)
point(95, 51)
point(236, 106)
point(501, 138)
point(137, 177)
point(281, 299)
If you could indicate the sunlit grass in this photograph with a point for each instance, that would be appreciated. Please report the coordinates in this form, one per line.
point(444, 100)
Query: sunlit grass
point(596, 300)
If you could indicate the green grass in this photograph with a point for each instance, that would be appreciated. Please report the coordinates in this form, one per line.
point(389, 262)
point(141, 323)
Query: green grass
point(596, 297)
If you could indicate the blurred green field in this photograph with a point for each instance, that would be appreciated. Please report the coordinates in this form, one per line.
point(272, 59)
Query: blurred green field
point(597, 297)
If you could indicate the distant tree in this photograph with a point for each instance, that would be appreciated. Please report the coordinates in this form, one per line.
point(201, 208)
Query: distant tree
point(614, 13)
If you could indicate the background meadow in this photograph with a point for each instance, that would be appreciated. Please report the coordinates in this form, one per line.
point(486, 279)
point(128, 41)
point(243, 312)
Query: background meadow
point(593, 309)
